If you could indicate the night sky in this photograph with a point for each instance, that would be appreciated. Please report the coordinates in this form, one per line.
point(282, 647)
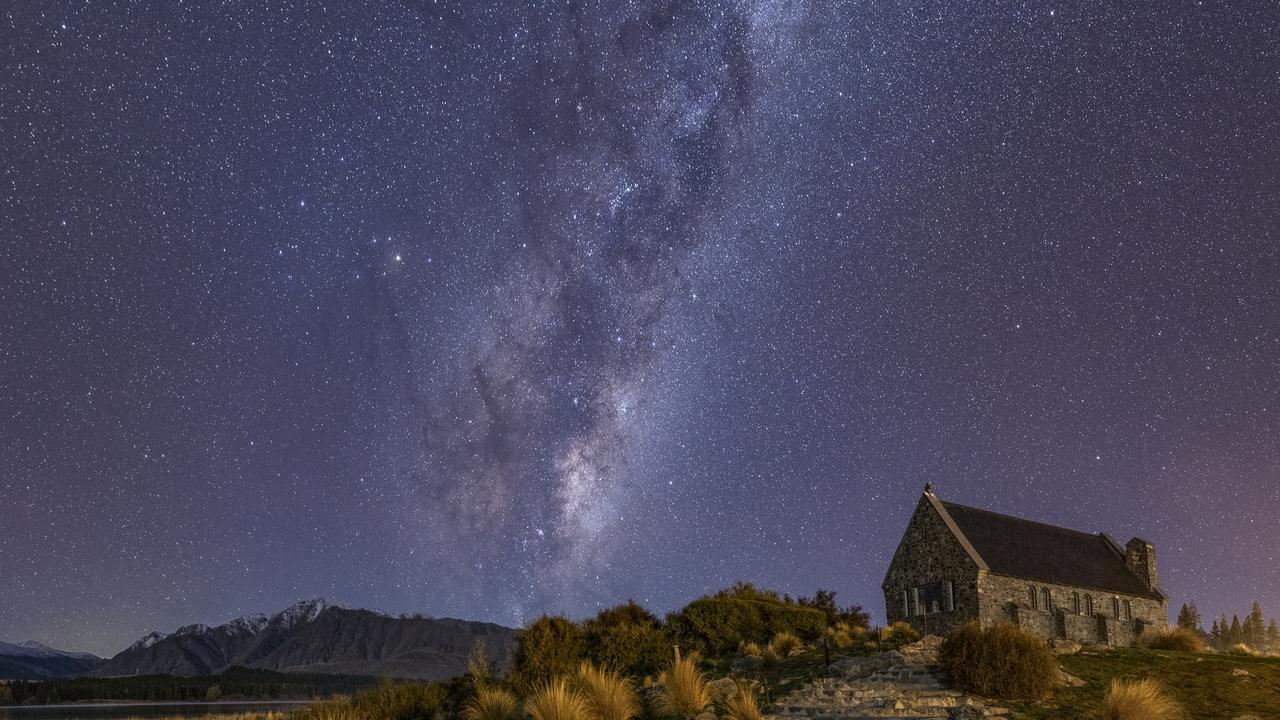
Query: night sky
point(490, 311)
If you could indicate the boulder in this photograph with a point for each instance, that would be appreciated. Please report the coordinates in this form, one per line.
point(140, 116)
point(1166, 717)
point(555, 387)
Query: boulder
point(1062, 646)
point(722, 689)
point(1240, 672)
point(1066, 679)
point(965, 712)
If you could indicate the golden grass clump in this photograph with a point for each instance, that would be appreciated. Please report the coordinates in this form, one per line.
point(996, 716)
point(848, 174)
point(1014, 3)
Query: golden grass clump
point(338, 707)
point(1002, 660)
point(1177, 639)
point(786, 644)
point(838, 637)
point(491, 703)
point(899, 633)
point(1240, 649)
point(609, 695)
point(750, 649)
point(742, 705)
point(557, 701)
point(1139, 700)
point(683, 690)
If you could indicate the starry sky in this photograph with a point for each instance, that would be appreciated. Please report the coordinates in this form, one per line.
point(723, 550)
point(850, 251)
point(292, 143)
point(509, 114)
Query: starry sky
point(486, 310)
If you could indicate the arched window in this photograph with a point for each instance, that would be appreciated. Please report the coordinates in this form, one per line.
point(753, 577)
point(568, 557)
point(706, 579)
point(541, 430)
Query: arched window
point(1046, 600)
point(1033, 597)
point(1128, 610)
point(1075, 603)
point(1115, 607)
point(1088, 605)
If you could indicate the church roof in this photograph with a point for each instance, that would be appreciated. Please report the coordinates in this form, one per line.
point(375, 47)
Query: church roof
point(1036, 551)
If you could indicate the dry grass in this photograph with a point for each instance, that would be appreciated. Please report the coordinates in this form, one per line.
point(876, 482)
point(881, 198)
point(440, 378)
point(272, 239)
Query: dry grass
point(491, 703)
point(557, 701)
point(1139, 700)
point(1241, 649)
point(786, 644)
point(683, 690)
point(750, 649)
point(1176, 639)
point(609, 695)
point(742, 705)
point(227, 716)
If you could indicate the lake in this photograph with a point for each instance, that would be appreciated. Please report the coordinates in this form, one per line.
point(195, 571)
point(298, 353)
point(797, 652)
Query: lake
point(116, 711)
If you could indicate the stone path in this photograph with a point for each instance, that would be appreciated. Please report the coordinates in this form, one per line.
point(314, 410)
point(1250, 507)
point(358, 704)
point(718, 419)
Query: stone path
point(895, 685)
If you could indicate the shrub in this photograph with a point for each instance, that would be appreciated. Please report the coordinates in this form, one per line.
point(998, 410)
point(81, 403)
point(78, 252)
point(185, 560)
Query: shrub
point(718, 623)
point(742, 705)
point(1138, 700)
point(786, 644)
point(550, 647)
point(682, 691)
point(1002, 661)
point(899, 633)
point(609, 695)
point(555, 700)
point(627, 638)
point(1178, 639)
point(491, 703)
point(1240, 649)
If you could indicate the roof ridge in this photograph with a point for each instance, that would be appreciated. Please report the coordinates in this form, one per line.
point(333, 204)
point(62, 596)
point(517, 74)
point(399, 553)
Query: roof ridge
point(1095, 536)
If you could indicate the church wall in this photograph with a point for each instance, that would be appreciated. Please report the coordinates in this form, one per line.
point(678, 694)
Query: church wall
point(1008, 598)
point(929, 556)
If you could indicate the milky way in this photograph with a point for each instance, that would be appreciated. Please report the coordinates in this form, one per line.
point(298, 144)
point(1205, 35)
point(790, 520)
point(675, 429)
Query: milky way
point(491, 311)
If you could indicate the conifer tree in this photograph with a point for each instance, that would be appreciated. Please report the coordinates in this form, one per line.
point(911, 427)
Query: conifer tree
point(1273, 636)
point(1215, 635)
point(1255, 627)
point(1189, 617)
point(1236, 634)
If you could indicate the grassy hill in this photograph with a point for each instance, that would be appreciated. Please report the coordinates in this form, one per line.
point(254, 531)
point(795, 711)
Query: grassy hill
point(1203, 683)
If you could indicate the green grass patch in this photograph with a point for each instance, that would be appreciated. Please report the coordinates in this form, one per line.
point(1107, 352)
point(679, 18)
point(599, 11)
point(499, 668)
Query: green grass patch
point(1202, 683)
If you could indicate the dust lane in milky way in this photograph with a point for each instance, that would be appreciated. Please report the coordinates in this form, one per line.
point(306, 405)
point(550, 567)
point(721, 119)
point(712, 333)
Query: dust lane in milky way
point(488, 311)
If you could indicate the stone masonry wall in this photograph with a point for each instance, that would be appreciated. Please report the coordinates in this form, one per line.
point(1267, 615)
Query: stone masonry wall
point(1006, 598)
point(929, 554)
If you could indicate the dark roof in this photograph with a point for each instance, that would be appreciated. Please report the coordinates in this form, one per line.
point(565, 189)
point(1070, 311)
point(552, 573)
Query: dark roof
point(1036, 551)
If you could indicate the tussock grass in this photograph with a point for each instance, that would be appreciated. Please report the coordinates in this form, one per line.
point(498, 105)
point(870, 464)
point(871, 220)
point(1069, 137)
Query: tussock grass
point(491, 703)
point(682, 691)
point(1002, 661)
point(899, 633)
point(1139, 700)
point(1176, 639)
point(750, 649)
point(1242, 650)
point(557, 701)
point(742, 705)
point(786, 644)
point(609, 695)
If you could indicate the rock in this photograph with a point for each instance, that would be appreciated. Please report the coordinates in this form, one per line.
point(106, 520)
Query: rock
point(1065, 647)
point(1067, 679)
point(722, 689)
point(1241, 672)
point(965, 712)
point(925, 650)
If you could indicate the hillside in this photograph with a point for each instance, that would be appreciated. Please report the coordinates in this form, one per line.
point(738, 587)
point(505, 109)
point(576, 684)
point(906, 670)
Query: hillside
point(316, 637)
point(1208, 686)
point(32, 661)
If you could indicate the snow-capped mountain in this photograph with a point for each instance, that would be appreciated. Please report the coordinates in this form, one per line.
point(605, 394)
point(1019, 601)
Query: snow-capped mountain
point(31, 660)
point(315, 636)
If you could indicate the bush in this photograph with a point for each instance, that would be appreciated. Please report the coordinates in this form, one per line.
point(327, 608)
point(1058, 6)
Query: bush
point(718, 624)
point(1002, 661)
point(1138, 700)
point(899, 633)
point(1177, 639)
point(550, 647)
point(628, 639)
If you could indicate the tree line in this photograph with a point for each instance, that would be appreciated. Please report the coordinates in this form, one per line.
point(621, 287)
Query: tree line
point(1223, 634)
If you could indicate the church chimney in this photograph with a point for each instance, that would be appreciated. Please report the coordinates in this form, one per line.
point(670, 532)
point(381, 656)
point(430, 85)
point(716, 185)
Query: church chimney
point(1140, 556)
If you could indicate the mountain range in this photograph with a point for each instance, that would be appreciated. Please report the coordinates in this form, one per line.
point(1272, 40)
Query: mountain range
point(314, 636)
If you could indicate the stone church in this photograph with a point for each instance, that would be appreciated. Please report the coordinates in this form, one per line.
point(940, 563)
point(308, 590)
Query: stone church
point(957, 563)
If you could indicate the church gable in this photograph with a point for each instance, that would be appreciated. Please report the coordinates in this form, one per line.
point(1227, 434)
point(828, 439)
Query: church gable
point(933, 573)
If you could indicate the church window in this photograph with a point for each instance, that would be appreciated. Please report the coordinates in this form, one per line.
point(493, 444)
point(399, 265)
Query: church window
point(1046, 600)
point(951, 595)
point(1075, 603)
point(1128, 610)
point(1033, 598)
point(906, 605)
point(1115, 607)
